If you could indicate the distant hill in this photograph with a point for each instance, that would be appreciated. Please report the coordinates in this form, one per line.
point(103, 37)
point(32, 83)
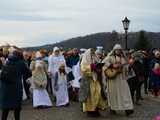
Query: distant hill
point(105, 39)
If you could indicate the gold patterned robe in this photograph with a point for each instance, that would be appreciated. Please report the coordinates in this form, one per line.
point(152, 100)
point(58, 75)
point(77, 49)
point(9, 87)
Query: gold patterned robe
point(95, 99)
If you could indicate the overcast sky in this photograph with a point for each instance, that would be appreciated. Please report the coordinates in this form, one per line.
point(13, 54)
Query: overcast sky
point(38, 22)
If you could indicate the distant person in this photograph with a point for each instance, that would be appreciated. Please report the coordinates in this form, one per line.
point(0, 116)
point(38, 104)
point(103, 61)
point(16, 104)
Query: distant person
point(73, 62)
point(136, 82)
point(155, 74)
point(146, 63)
point(1, 58)
point(77, 73)
point(99, 55)
point(27, 61)
point(11, 84)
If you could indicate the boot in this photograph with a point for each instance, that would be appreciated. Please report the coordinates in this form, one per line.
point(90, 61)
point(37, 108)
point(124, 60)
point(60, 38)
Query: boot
point(93, 114)
point(113, 112)
point(129, 112)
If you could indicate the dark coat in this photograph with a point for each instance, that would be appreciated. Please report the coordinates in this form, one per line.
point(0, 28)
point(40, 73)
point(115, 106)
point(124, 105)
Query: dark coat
point(154, 79)
point(146, 63)
point(11, 93)
point(72, 60)
point(138, 68)
point(135, 81)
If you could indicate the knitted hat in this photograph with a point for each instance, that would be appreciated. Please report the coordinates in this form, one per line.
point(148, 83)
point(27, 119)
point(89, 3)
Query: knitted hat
point(117, 47)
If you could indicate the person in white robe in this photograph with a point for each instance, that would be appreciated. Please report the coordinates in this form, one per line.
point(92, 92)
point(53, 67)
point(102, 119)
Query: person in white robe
point(54, 62)
point(119, 97)
point(41, 97)
point(76, 70)
point(77, 75)
point(61, 88)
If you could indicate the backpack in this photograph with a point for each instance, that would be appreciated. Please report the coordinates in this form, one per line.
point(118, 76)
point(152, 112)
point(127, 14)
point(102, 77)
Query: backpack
point(9, 73)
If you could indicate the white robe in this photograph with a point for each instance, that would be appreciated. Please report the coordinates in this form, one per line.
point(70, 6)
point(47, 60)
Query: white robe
point(119, 97)
point(24, 92)
point(54, 63)
point(40, 95)
point(41, 98)
point(77, 75)
point(62, 97)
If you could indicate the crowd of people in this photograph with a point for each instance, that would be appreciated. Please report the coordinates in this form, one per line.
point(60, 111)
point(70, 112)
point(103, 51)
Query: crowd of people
point(96, 80)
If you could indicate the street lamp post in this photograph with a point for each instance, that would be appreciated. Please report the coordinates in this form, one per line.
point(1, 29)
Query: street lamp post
point(126, 23)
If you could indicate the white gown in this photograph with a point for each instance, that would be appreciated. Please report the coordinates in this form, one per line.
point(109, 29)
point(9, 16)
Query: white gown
point(40, 95)
point(24, 93)
point(77, 75)
point(54, 64)
point(41, 98)
point(62, 97)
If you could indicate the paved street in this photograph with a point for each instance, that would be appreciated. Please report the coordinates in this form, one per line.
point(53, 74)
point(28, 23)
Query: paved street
point(150, 108)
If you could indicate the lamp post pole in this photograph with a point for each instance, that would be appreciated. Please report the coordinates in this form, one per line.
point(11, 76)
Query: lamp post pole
point(126, 23)
point(126, 39)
